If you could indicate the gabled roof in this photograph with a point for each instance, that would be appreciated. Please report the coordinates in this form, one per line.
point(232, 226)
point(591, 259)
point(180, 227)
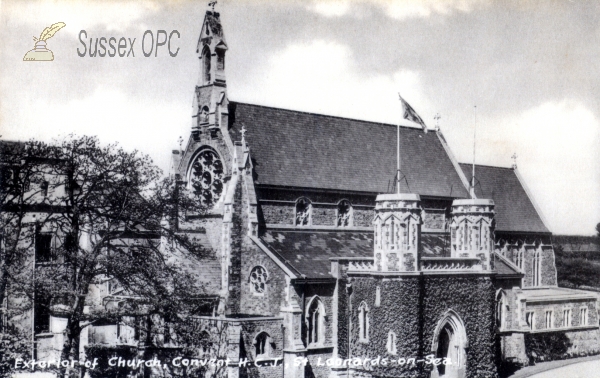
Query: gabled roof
point(305, 150)
point(515, 211)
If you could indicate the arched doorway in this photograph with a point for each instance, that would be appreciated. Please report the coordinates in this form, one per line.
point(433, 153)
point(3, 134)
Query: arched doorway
point(450, 342)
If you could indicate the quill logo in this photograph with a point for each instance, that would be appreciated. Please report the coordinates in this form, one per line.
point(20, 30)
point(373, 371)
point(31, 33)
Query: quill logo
point(40, 53)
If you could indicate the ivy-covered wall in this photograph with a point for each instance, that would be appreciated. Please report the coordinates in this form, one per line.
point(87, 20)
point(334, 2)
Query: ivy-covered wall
point(411, 307)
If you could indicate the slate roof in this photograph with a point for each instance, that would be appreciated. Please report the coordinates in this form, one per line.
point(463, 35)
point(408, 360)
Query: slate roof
point(504, 269)
point(514, 209)
point(305, 150)
point(308, 252)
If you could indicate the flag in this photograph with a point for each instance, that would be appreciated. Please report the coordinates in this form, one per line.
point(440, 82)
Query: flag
point(410, 114)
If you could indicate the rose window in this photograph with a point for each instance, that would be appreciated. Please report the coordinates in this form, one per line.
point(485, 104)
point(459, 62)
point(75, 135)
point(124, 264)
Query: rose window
point(258, 279)
point(207, 177)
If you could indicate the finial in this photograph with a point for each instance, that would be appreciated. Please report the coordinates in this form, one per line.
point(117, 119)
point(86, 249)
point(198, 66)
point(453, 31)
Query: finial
point(212, 4)
point(437, 118)
point(514, 157)
point(180, 141)
point(243, 131)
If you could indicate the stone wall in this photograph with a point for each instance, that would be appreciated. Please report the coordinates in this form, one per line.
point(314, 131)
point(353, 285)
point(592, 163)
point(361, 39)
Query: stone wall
point(278, 207)
point(269, 302)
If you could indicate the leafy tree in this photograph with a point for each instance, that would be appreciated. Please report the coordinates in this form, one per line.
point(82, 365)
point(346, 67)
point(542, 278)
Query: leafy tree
point(109, 215)
point(598, 230)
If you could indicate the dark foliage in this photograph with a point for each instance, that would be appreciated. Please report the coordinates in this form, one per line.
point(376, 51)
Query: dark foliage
point(104, 353)
point(547, 346)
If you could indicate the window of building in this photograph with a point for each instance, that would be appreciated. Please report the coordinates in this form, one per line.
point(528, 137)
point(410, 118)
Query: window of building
point(206, 177)
point(537, 269)
point(583, 316)
point(303, 212)
point(206, 65)
point(391, 343)
point(262, 345)
point(344, 214)
point(549, 322)
point(519, 259)
point(363, 322)
point(41, 313)
point(567, 318)
point(530, 319)
point(315, 318)
point(258, 279)
point(43, 247)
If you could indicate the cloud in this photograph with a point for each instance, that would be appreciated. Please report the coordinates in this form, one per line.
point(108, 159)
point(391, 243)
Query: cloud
point(398, 9)
point(557, 147)
point(320, 77)
point(108, 113)
point(112, 15)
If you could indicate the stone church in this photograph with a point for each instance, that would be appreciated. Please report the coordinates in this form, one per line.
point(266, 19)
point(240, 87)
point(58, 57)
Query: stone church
point(322, 268)
point(318, 260)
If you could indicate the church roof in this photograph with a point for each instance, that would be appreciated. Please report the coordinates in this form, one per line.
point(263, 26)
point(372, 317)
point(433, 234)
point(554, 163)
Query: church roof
point(515, 211)
point(305, 150)
point(308, 252)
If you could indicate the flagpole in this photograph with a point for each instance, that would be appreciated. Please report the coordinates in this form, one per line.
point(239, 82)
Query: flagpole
point(474, 143)
point(398, 160)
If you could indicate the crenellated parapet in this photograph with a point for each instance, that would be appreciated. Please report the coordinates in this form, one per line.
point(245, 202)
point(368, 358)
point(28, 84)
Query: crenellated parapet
point(472, 230)
point(397, 232)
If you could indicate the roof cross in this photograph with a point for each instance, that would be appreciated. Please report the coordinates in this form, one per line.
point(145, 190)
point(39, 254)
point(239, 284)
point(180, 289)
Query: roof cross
point(514, 157)
point(437, 118)
point(180, 141)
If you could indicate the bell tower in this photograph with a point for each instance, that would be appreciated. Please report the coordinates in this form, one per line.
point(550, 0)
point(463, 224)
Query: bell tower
point(210, 98)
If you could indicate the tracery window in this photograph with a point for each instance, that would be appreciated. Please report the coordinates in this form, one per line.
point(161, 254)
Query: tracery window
point(344, 214)
point(258, 279)
point(315, 319)
point(303, 210)
point(206, 177)
point(363, 322)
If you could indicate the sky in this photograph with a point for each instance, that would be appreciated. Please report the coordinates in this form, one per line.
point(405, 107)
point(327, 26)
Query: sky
point(524, 75)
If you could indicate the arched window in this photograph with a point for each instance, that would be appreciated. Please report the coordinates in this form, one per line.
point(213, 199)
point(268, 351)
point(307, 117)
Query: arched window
point(391, 343)
point(537, 269)
point(315, 318)
point(206, 177)
point(363, 322)
point(303, 212)
point(262, 345)
point(519, 258)
point(258, 279)
point(344, 214)
point(206, 65)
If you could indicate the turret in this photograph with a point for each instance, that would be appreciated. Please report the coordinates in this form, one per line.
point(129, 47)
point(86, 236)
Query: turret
point(397, 232)
point(472, 230)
